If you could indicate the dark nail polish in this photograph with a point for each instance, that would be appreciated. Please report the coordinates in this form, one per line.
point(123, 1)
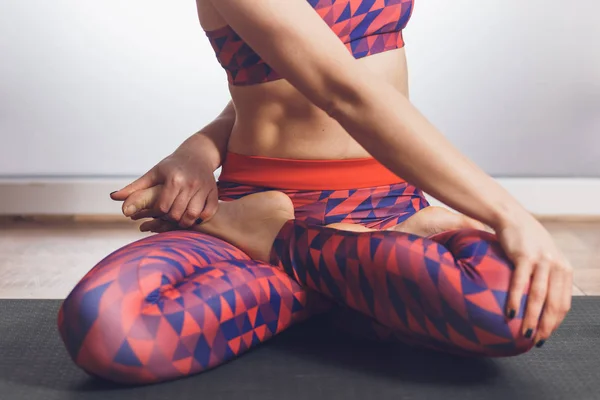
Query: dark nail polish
point(199, 221)
point(529, 333)
point(540, 343)
point(511, 314)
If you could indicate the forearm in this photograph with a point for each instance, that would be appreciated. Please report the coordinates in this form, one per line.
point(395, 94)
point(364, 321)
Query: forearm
point(399, 136)
point(210, 143)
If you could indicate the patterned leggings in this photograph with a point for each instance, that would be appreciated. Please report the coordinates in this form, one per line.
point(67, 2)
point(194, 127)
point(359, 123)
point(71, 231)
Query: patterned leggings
point(178, 303)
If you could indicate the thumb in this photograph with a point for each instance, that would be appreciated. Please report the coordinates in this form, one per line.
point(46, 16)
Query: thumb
point(141, 200)
point(146, 181)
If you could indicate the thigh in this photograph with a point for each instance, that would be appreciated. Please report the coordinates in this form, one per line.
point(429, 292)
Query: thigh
point(173, 305)
point(448, 291)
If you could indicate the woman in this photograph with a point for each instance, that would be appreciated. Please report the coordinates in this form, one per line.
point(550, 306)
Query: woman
point(314, 215)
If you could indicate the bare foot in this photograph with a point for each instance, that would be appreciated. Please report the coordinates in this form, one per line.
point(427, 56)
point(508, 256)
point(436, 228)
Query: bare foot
point(251, 223)
point(349, 227)
point(432, 220)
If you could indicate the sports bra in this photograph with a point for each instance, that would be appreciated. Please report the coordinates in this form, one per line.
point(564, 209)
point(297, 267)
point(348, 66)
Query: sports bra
point(366, 27)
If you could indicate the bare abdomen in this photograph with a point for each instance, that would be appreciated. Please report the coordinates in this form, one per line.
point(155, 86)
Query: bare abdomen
point(275, 120)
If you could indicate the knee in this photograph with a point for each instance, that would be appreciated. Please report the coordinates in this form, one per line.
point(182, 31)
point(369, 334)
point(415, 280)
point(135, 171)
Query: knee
point(509, 348)
point(471, 245)
point(93, 323)
point(485, 275)
point(491, 334)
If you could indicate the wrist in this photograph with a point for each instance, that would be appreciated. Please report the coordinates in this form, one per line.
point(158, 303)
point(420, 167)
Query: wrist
point(506, 215)
point(198, 147)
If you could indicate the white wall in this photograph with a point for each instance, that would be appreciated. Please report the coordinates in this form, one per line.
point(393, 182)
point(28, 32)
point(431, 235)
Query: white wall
point(101, 88)
point(516, 85)
point(108, 88)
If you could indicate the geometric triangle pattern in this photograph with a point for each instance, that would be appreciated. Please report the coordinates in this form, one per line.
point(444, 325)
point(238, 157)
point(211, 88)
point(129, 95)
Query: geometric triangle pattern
point(377, 208)
point(366, 27)
point(178, 303)
point(446, 292)
point(174, 304)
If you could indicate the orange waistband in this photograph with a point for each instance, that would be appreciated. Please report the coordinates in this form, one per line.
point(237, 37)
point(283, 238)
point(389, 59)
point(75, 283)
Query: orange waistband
point(281, 173)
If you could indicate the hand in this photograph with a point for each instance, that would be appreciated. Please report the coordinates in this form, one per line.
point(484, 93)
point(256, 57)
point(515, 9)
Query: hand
point(146, 199)
point(539, 264)
point(188, 193)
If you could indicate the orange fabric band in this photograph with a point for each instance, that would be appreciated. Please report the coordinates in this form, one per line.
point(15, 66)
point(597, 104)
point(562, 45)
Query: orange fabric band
point(280, 173)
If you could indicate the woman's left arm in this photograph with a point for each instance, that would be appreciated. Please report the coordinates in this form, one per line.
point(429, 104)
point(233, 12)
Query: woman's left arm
point(298, 44)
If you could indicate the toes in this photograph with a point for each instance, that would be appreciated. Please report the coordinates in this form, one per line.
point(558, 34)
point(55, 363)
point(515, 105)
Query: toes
point(349, 227)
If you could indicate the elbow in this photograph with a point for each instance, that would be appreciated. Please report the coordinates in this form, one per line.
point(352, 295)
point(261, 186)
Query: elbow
point(336, 91)
point(343, 99)
point(336, 107)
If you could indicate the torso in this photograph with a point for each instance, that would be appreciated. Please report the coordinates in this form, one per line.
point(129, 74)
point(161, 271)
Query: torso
point(275, 120)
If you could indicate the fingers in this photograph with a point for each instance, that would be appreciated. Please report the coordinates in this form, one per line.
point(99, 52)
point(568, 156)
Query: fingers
point(212, 203)
point(181, 204)
point(158, 226)
point(141, 199)
point(150, 226)
point(567, 295)
point(550, 314)
point(147, 180)
point(194, 209)
point(520, 280)
point(146, 213)
point(177, 193)
point(538, 292)
point(558, 302)
point(167, 197)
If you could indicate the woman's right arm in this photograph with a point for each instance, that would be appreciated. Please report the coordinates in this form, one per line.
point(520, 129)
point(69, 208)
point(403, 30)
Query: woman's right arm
point(210, 143)
point(291, 37)
point(189, 189)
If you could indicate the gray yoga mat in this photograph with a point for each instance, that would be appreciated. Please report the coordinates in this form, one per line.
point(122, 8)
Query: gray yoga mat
point(313, 362)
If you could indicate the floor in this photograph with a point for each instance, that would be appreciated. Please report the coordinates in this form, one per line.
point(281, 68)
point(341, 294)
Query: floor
point(45, 259)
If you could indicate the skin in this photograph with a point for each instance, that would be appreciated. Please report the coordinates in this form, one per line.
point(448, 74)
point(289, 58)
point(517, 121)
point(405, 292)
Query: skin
point(322, 111)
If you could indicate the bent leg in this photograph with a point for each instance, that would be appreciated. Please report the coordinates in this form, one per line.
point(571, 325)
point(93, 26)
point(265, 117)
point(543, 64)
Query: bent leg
point(446, 292)
point(172, 305)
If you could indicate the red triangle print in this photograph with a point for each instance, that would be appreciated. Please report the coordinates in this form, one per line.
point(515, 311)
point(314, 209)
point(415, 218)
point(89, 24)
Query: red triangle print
point(389, 13)
point(285, 316)
point(328, 16)
point(264, 284)
point(414, 325)
point(378, 5)
point(139, 330)
point(460, 341)
point(235, 344)
point(190, 342)
point(252, 315)
point(486, 338)
point(184, 366)
point(247, 338)
point(152, 309)
point(433, 331)
point(105, 276)
point(189, 325)
point(496, 273)
point(210, 320)
point(168, 339)
point(354, 5)
point(485, 300)
point(142, 349)
point(262, 333)
point(345, 29)
point(449, 292)
point(338, 9)
point(226, 312)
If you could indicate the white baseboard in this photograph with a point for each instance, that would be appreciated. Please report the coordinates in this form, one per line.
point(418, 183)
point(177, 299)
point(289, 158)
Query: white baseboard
point(47, 196)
